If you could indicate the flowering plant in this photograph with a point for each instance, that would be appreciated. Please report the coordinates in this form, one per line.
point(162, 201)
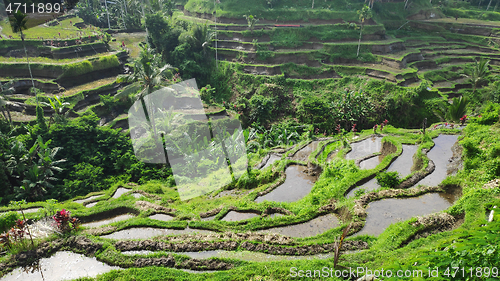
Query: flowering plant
point(64, 222)
point(353, 129)
point(463, 119)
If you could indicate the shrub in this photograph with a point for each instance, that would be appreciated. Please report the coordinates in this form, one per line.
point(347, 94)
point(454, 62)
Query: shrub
point(207, 93)
point(8, 220)
point(490, 114)
point(388, 179)
point(64, 222)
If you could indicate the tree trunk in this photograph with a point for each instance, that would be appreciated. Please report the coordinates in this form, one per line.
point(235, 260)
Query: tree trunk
point(4, 114)
point(10, 117)
point(312, 7)
point(359, 42)
point(29, 68)
point(487, 8)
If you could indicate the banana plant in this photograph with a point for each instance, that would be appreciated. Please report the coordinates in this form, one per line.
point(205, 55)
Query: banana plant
point(58, 106)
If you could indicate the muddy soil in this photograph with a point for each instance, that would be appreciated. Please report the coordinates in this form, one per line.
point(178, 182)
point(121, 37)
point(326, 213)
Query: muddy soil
point(234, 245)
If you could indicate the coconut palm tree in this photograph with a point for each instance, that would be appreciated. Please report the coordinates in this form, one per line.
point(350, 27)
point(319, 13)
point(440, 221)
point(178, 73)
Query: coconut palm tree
point(18, 22)
point(478, 73)
point(202, 36)
point(364, 14)
point(149, 74)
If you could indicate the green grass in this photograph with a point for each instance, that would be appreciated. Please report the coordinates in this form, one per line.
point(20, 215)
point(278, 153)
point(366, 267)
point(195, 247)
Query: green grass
point(52, 32)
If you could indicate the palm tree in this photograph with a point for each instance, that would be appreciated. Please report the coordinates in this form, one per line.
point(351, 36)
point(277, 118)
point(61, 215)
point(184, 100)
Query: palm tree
point(457, 109)
point(147, 76)
point(202, 36)
point(18, 23)
point(364, 14)
point(478, 73)
point(6, 89)
point(452, 112)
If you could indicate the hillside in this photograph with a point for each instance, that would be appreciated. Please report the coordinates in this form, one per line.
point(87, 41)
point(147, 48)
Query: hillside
point(368, 144)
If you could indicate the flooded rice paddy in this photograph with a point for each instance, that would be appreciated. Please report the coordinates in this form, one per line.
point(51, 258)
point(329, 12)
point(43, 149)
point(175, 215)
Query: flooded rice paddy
point(272, 158)
point(120, 191)
point(150, 232)
point(239, 255)
point(303, 154)
point(402, 165)
point(440, 154)
point(364, 148)
point(161, 217)
point(297, 185)
point(108, 220)
point(383, 213)
point(238, 216)
point(80, 201)
point(61, 266)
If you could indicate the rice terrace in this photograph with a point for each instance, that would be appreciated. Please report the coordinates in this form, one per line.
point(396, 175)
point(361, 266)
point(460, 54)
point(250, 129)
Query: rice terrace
point(249, 140)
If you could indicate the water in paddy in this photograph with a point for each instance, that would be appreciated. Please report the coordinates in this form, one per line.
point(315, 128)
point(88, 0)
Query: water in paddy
point(273, 158)
point(240, 255)
point(80, 201)
point(364, 148)
point(208, 218)
point(149, 232)
point(31, 210)
point(120, 191)
point(371, 163)
point(107, 221)
point(238, 216)
point(137, 195)
point(404, 162)
point(440, 154)
point(385, 212)
point(61, 266)
point(306, 229)
point(91, 204)
point(402, 165)
point(304, 153)
point(297, 185)
point(161, 217)
point(368, 186)
point(276, 215)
